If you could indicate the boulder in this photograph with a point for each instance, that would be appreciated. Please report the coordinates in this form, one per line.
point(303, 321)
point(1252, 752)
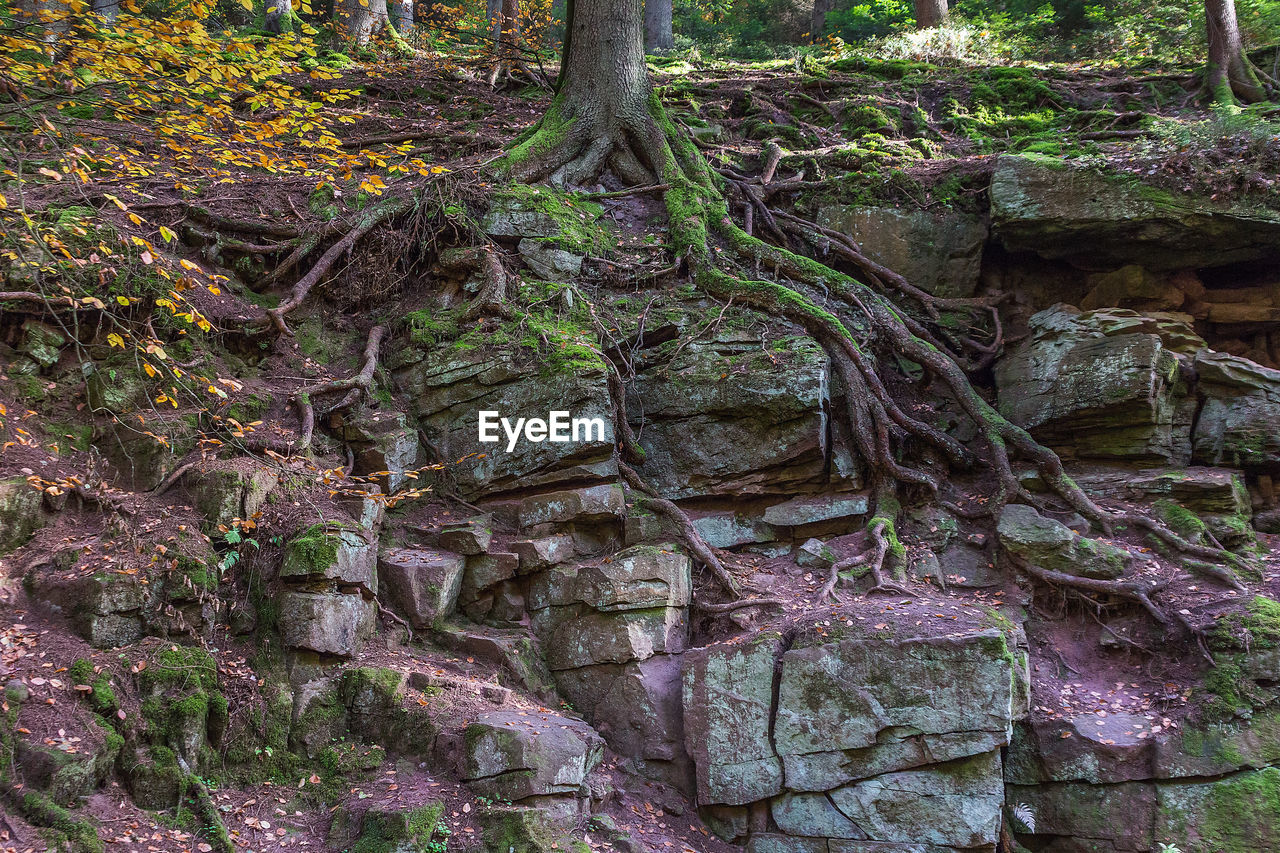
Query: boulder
point(108, 610)
point(382, 441)
point(390, 829)
point(542, 553)
point(42, 343)
point(332, 551)
point(937, 251)
point(636, 708)
point(515, 755)
point(728, 529)
point(639, 577)
point(21, 512)
point(1042, 204)
point(863, 707)
point(728, 696)
point(422, 584)
point(548, 260)
point(1052, 545)
point(1237, 423)
point(449, 387)
point(1101, 384)
point(726, 418)
point(468, 537)
point(67, 771)
point(481, 580)
point(327, 623)
point(957, 804)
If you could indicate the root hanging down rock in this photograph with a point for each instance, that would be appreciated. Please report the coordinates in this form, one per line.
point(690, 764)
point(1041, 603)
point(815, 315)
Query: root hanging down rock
point(357, 386)
point(692, 538)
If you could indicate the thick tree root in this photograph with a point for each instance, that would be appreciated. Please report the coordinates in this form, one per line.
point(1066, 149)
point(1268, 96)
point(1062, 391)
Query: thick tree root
point(692, 538)
point(863, 333)
point(357, 386)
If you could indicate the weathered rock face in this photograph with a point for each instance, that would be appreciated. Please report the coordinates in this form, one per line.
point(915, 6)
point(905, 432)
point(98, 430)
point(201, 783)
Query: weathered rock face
point(728, 701)
point(728, 419)
point(449, 387)
point(1102, 384)
point(333, 552)
point(1237, 424)
point(224, 491)
point(937, 252)
point(1042, 205)
point(611, 630)
point(832, 735)
point(515, 756)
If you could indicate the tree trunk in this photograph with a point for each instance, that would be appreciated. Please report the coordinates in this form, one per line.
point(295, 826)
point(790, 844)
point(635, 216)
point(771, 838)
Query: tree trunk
point(108, 9)
point(601, 114)
point(657, 26)
point(279, 16)
point(357, 23)
point(818, 22)
point(1229, 74)
point(402, 16)
point(930, 13)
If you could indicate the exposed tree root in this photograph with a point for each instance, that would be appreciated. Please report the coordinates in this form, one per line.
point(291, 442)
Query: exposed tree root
point(357, 386)
point(740, 604)
point(692, 538)
point(1131, 590)
point(368, 221)
point(392, 617)
point(861, 334)
point(493, 294)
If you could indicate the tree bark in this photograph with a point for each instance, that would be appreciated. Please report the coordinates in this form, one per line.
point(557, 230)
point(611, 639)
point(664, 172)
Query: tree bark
point(1229, 74)
point(357, 23)
point(818, 21)
point(279, 16)
point(657, 26)
point(402, 16)
point(108, 9)
point(601, 114)
point(930, 13)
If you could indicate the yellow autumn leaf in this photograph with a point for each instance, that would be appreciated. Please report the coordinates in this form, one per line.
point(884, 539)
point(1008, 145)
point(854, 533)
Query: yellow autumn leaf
point(167, 235)
point(115, 340)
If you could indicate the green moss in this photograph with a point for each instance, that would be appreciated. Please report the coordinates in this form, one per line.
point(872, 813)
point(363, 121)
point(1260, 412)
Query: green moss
point(180, 667)
point(1241, 814)
point(314, 551)
point(102, 698)
point(431, 328)
point(80, 833)
point(1258, 627)
point(1180, 520)
point(390, 831)
point(577, 223)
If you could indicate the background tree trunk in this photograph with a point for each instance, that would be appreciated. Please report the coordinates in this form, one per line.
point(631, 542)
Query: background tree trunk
point(108, 9)
point(1229, 74)
point(279, 16)
point(357, 23)
point(818, 22)
point(402, 16)
point(657, 26)
point(930, 13)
